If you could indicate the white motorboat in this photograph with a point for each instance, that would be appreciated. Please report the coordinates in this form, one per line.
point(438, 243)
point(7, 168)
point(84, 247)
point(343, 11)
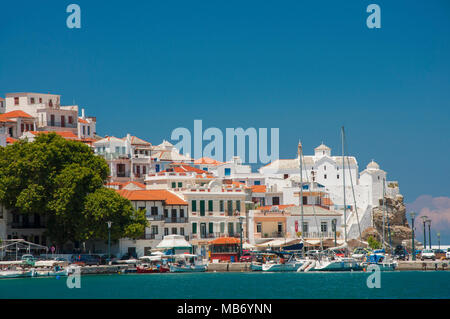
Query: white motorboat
point(187, 263)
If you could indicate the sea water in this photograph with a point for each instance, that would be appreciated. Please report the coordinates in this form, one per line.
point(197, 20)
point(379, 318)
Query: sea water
point(396, 284)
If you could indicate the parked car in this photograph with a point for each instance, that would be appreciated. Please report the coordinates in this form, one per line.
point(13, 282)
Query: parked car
point(401, 253)
point(85, 259)
point(246, 258)
point(440, 253)
point(427, 254)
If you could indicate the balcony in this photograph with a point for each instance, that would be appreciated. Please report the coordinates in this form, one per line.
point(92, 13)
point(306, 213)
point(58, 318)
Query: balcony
point(62, 124)
point(155, 217)
point(149, 236)
point(176, 220)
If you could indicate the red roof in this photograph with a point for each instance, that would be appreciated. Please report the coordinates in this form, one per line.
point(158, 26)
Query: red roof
point(280, 207)
point(258, 188)
point(152, 195)
point(16, 113)
point(207, 160)
point(81, 120)
point(66, 134)
point(225, 241)
point(184, 169)
point(10, 140)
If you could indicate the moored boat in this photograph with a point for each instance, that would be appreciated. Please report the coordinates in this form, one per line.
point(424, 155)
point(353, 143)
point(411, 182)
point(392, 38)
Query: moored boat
point(187, 263)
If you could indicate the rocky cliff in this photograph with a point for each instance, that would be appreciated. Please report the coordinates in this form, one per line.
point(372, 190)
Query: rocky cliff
point(396, 219)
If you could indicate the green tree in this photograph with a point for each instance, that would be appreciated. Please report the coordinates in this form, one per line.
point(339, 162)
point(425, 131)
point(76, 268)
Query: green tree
point(56, 178)
point(373, 243)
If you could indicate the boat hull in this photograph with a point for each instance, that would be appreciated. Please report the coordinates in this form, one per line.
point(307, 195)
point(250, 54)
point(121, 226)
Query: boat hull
point(196, 268)
point(281, 267)
point(152, 270)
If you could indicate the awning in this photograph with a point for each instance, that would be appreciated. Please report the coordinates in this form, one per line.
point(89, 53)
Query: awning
point(173, 241)
point(277, 242)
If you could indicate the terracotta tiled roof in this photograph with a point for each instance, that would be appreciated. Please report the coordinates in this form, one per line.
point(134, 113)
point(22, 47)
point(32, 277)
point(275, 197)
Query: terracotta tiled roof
point(258, 188)
point(81, 120)
point(10, 140)
point(66, 134)
point(186, 168)
point(16, 113)
point(224, 241)
point(152, 195)
point(207, 160)
point(280, 207)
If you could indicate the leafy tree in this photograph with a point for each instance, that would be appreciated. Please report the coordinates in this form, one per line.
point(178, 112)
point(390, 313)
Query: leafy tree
point(373, 243)
point(60, 180)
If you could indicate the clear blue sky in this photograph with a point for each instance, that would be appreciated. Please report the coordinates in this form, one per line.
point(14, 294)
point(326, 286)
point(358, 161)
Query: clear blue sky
point(307, 67)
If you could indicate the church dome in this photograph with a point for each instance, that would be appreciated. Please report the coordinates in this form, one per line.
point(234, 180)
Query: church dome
point(373, 165)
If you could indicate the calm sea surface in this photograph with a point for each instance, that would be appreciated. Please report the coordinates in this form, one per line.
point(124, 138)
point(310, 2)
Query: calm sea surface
point(405, 284)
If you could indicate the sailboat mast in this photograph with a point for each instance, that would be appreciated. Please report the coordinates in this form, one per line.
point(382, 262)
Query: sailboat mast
point(343, 178)
point(300, 150)
point(384, 213)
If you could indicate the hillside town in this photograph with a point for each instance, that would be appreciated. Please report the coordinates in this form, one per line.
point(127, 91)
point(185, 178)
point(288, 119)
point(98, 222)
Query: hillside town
point(202, 199)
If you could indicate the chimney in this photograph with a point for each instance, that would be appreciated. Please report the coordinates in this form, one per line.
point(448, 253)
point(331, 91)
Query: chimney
point(82, 114)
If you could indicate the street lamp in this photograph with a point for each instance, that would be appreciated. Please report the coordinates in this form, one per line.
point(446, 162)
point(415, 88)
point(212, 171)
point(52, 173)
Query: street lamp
point(109, 240)
point(412, 226)
point(424, 219)
point(429, 231)
point(333, 226)
point(439, 240)
point(241, 229)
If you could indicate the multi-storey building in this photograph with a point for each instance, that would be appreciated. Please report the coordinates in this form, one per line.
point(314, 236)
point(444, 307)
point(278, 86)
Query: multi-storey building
point(46, 108)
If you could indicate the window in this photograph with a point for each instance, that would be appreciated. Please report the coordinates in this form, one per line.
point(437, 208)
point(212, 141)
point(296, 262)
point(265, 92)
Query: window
point(227, 171)
point(238, 205)
point(154, 210)
point(180, 184)
point(50, 103)
point(52, 120)
point(222, 227)
point(166, 213)
point(181, 212)
point(16, 101)
point(257, 183)
point(194, 228)
point(202, 208)
point(222, 208)
point(174, 185)
point(210, 206)
point(337, 176)
point(70, 119)
point(305, 227)
point(258, 227)
point(63, 121)
point(211, 228)
point(325, 176)
point(230, 208)
point(117, 147)
point(324, 227)
point(166, 231)
point(32, 100)
point(276, 200)
point(144, 170)
point(285, 176)
point(324, 167)
point(280, 227)
point(40, 100)
point(182, 231)
point(194, 206)
point(174, 230)
point(230, 229)
point(155, 230)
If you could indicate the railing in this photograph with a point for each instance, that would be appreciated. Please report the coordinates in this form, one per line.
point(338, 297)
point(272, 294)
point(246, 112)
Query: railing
point(149, 236)
point(319, 234)
point(60, 124)
point(155, 217)
point(176, 220)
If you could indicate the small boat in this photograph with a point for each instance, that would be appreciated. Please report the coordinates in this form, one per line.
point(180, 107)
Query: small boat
point(336, 264)
point(283, 265)
point(256, 266)
point(16, 273)
point(379, 258)
point(187, 263)
point(153, 264)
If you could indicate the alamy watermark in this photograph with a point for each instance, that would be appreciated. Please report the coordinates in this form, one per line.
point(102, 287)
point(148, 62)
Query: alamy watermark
point(258, 145)
point(74, 278)
point(374, 279)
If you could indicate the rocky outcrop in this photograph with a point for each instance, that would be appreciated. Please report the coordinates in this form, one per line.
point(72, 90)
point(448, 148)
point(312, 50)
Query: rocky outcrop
point(395, 219)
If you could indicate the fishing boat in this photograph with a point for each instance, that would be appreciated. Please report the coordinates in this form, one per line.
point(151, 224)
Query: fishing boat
point(187, 263)
point(17, 273)
point(153, 264)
